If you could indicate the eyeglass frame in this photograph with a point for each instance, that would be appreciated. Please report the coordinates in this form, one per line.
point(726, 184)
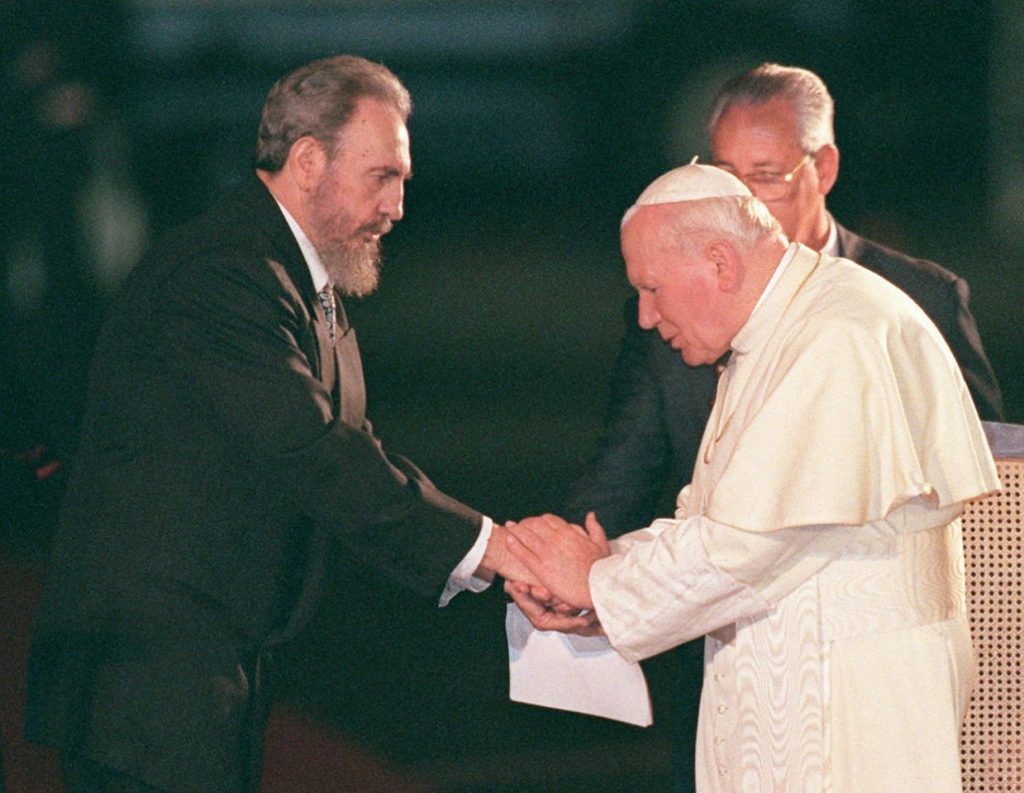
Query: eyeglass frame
point(784, 180)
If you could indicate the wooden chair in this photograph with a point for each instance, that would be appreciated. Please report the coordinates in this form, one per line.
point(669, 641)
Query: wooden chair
point(992, 742)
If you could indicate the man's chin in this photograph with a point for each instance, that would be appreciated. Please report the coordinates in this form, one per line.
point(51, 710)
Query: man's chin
point(353, 269)
point(693, 358)
point(363, 288)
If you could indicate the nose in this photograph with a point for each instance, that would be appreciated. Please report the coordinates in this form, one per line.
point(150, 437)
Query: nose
point(648, 315)
point(392, 202)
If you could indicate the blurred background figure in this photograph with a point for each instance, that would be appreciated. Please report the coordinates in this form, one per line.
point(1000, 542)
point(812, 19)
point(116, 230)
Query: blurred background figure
point(73, 224)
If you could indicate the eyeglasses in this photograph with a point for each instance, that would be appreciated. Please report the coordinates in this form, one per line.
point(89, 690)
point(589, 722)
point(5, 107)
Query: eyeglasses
point(770, 186)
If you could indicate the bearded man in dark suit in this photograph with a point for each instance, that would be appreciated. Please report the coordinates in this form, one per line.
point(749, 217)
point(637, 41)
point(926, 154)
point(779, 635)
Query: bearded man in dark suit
point(772, 128)
point(225, 446)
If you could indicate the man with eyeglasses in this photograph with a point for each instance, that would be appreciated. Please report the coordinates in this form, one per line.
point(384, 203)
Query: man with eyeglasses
point(772, 128)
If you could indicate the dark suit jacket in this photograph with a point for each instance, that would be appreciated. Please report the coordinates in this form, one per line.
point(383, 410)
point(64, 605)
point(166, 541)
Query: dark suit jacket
point(659, 405)
point(224, 446)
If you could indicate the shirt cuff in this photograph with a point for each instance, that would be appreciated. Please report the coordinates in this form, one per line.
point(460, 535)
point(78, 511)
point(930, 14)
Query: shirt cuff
point(462, 576)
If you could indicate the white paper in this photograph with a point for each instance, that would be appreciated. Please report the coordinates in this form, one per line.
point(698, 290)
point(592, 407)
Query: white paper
point(577, 673)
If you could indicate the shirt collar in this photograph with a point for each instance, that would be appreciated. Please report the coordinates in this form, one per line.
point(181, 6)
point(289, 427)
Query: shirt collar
point(787, 257)
point(831, 246)
point(309, 253)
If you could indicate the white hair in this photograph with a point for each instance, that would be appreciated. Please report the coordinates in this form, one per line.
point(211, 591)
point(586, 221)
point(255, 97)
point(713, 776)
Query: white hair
point(805, 91)
point(744, 219)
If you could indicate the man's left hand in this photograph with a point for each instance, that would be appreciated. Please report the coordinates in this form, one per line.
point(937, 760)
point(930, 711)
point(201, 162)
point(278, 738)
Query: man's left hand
point(559, 555)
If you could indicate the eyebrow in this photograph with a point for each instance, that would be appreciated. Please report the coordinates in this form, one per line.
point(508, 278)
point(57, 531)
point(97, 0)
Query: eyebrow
point(390, 170)
point(759, 165)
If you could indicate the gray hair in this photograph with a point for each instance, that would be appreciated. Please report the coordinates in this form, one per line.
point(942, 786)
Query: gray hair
point(317, 100)
point(807, 93)
point(744, 219)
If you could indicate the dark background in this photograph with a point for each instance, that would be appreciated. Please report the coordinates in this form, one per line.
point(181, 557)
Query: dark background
point(488, 348)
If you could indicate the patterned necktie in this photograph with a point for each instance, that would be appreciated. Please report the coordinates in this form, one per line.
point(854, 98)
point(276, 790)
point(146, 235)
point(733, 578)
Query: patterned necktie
point(326, 296)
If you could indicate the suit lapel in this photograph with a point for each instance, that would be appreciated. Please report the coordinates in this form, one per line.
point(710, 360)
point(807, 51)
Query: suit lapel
point(849, 244)
point(286, 250)
point(352, 388)
point(340, 368)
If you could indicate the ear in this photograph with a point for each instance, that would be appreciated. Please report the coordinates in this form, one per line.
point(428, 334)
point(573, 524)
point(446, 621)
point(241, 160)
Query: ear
point(307, 160)
point(826, 162)
point(727, 263)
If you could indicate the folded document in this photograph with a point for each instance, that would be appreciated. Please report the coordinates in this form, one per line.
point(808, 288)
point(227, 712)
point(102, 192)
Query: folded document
point(577, 673)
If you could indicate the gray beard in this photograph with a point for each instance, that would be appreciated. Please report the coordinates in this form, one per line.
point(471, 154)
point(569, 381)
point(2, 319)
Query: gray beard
point(352, 268)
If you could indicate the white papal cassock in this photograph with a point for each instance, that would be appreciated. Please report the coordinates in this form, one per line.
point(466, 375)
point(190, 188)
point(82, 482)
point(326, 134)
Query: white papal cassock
point(819, 547)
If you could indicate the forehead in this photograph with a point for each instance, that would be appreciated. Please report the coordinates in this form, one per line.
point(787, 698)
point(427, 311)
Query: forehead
point(647, 247)
point(756, 132)
point(375, 136)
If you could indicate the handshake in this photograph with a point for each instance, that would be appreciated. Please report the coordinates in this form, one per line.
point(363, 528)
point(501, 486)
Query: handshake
point(546, 563)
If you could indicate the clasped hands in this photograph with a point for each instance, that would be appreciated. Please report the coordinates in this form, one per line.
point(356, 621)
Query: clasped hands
point(547, 571)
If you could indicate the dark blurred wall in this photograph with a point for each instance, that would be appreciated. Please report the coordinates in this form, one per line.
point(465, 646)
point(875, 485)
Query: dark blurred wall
point(538, 115)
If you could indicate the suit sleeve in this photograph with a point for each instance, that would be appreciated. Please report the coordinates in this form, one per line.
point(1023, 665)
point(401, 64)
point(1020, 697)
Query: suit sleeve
point(626, 474)
point(242, 336)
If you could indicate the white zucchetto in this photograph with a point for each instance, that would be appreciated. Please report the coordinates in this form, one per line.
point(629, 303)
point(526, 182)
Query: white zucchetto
point(691, 183)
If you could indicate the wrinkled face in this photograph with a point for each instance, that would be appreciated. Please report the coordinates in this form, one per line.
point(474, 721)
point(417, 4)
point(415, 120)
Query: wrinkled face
point(359, 196)
point(765, 139)
point(679, 295)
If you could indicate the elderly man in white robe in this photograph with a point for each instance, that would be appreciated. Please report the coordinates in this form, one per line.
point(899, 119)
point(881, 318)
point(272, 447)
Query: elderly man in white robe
point(818, 545)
